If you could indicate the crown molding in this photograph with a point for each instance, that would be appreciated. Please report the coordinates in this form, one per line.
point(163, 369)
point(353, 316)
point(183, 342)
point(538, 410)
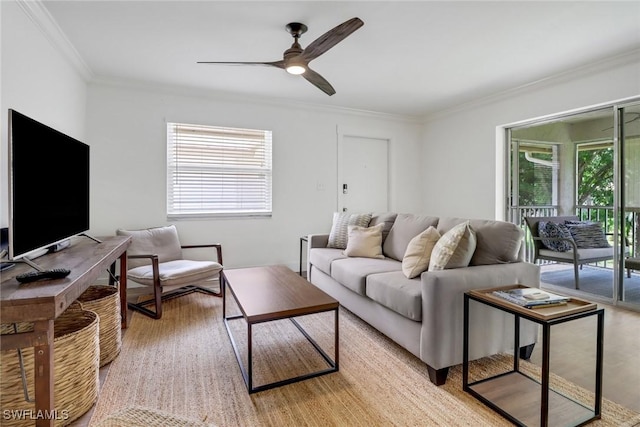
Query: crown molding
point(621, 59)
point(42, 19)
point(244, 98)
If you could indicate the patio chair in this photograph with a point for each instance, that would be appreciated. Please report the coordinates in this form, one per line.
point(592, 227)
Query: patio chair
point(574, 256)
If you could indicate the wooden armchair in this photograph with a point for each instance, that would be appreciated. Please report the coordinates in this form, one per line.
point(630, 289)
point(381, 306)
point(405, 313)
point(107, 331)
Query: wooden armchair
point(155, 259)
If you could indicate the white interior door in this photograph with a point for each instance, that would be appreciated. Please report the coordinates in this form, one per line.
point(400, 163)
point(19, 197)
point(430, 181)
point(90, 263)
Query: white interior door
point(363, 174)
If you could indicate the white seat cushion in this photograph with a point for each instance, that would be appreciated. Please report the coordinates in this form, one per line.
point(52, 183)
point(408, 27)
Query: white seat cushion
point(176, 273)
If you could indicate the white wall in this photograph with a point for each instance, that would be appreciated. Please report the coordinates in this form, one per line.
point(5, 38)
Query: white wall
point(37, 81)
point(127, 133)
point(459, 146)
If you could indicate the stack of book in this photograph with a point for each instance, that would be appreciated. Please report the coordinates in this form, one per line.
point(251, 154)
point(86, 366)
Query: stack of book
point(531, 297)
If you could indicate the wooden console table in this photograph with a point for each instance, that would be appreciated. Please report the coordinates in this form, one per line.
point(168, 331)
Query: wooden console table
point(42, 302)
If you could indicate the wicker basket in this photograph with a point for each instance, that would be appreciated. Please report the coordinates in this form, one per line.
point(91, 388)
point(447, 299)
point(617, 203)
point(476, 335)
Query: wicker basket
point(76, 359)
point(105, 301)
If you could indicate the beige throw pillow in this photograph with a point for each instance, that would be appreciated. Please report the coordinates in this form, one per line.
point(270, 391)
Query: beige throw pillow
point(365, 242)
point(416, 258)
point(454, 249)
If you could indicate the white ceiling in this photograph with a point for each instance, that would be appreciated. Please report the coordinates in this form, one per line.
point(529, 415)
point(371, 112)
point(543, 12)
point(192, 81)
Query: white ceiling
point(409, 58)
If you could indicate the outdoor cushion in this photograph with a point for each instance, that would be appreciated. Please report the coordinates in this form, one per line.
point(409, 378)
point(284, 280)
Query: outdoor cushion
point(583, 254)
point(396, 292)
point(548, 230)
point(323, 257)
point(587, 234)
point(353, 272)
point(405, 228)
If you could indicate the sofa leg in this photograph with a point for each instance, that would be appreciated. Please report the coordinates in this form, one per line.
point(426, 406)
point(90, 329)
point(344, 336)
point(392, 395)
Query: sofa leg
point(437, 376)
point(527, 351)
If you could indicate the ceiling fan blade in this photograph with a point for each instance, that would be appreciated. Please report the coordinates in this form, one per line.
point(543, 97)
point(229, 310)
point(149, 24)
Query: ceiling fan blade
point(318, 81)
point(330, 39)
point(278, 64)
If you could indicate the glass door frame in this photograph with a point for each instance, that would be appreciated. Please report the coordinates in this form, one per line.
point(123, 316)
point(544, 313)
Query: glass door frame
point(504, 174)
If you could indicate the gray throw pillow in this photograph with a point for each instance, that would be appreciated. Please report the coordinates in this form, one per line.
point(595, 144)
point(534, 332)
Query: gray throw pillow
point(339, 235)
point(587, 234)
point(405, 228)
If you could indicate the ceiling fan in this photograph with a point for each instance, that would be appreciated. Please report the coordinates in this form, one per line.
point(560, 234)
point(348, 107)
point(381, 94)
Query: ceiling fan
point(296, 59)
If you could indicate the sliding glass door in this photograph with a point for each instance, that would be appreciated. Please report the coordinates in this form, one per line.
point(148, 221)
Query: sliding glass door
point(584, 164)
point(629, 119)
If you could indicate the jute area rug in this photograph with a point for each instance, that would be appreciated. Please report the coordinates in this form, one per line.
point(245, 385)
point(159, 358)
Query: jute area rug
point(184, 365)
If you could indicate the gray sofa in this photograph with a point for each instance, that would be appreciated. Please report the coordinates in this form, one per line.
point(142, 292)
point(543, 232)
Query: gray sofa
point(425, 314)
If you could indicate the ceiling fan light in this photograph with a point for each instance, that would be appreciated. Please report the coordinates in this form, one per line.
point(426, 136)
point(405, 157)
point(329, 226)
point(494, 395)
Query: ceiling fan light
point(296, 69)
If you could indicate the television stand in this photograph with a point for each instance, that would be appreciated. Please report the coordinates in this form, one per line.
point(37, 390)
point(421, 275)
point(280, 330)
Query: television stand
point(42, 304)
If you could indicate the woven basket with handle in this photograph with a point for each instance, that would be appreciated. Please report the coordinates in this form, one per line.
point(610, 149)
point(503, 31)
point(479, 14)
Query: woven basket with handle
point(105, 302)
point(76, 364)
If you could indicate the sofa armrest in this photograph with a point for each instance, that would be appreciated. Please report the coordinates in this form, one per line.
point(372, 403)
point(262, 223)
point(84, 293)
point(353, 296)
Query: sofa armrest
point(443, 311)
point(318, 240)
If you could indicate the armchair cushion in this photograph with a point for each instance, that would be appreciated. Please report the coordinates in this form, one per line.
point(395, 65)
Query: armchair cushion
point(177, 272)
point(161, 241)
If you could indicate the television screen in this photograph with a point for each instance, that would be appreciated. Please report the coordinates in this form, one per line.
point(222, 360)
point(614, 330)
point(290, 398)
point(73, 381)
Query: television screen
point(48, 186)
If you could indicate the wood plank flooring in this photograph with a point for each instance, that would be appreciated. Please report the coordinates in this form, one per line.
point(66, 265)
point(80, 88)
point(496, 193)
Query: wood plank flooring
point(573, 354)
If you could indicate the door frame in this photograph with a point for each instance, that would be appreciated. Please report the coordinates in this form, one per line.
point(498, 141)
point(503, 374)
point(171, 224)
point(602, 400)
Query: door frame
point(341, 133)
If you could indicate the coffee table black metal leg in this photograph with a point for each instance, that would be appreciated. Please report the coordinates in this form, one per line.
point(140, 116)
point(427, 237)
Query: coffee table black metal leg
point(249, 358)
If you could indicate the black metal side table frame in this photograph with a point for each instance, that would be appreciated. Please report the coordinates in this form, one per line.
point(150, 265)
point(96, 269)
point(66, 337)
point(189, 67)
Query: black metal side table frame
point(546, 332)
point(247, 374)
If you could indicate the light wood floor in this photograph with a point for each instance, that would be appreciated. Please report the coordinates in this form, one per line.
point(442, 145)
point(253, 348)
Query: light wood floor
point(573, 354)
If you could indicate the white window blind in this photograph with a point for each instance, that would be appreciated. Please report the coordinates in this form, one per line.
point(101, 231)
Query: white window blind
point(218, 171)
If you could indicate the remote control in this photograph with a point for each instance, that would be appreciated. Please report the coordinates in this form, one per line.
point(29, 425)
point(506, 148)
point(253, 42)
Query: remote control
point(32, 276)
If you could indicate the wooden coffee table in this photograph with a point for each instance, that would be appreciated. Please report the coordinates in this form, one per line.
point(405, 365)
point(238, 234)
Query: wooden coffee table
point(264, 294)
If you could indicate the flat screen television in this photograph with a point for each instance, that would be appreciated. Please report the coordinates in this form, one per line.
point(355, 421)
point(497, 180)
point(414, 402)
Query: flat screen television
point(48, 186)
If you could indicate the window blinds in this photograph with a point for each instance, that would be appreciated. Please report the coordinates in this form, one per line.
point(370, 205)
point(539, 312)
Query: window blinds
point(216, 170)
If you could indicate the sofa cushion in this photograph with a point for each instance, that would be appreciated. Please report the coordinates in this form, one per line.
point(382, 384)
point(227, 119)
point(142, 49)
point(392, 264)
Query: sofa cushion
point(418, 253)
point(387, 219)
point(352, 272)
point(396, 292)
point(339, 229)
point(365, 242)
point(454, 249)
point(405, 228)
point(496, 241)
point(549, 231)
point(323, 257)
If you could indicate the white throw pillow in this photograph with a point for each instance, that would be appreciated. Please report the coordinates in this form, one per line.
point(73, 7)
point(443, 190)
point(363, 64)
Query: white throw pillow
point(454, 249)
point(365, 242)
point(416, 258)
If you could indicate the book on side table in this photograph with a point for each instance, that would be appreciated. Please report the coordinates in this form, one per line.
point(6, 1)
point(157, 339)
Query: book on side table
point(531, 297)
point(543, 312)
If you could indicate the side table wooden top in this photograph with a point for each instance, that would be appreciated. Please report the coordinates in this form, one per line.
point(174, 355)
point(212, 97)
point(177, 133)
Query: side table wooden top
point(573, 306)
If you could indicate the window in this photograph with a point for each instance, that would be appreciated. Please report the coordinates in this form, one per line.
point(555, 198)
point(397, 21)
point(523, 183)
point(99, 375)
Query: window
point(217, 171)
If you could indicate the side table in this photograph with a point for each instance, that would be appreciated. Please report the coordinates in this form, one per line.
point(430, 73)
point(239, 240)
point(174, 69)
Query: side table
point(540, 404)
point(303, 239)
